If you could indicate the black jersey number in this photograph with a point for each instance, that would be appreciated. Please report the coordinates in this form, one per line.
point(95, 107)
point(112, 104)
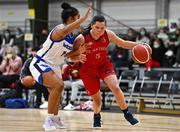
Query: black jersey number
point(64, 53)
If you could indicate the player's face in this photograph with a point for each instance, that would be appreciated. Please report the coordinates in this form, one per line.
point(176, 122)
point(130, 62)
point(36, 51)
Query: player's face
point(98, 28)
point(74, 18)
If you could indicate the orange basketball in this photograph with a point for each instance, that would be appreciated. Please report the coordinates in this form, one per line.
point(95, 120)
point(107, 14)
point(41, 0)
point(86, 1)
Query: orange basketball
point(28, 81)
point(140, 54)
point(149, 48)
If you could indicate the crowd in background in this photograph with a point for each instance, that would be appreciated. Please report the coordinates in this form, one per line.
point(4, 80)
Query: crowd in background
point(165, 46)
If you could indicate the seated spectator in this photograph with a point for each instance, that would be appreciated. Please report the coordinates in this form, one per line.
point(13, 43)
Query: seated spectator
point(163, 35)
point(8, 39)
point(10, 67)
point(158, 51)
point(131, 35)
point(119, 57)
point(19, 39)
point(1, 49)
point(143, 36)
point(71, 77)
point(39, 88)
point(177, 63)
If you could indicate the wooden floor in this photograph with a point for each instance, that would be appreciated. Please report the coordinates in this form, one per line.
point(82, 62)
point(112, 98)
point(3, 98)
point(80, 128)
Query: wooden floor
point(31, 120)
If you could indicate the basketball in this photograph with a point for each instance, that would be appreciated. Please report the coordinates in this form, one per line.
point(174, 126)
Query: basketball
point(141, 53)
point(28, 81)
point(149, 48)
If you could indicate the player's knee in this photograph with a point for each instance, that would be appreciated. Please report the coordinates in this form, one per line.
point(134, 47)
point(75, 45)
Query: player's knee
point(59, 86)
point(98, 103)
point(115, 88)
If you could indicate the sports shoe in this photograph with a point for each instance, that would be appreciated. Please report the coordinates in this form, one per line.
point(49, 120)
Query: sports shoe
point(129, 117)
point(69, 107)
point(44, 105)
point(49, 124)
point(59, 124)
point(97, 121)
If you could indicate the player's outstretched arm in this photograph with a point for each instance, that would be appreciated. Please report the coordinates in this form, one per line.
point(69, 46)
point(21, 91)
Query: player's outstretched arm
point(59, 33)
point(120, 42)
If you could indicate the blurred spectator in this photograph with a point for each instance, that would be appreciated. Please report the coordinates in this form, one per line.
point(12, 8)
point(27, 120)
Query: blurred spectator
point(75, 86)
point(173, 27)
point(119, 57)
point(152, 37)
point(131, 35)
point(172, 48)
point(1, 40)
point(19, 39)
point(177, 64)
point(1, 49)
point(71, 77)
point(43, 36)
point(158, 51)
point(8, 39)
point(143, 36)
point(10, 67)
point(163, 35)
point(31, 51)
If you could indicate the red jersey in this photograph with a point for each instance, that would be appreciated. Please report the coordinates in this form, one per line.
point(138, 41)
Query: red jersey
point(98, 65)
point(97, 54)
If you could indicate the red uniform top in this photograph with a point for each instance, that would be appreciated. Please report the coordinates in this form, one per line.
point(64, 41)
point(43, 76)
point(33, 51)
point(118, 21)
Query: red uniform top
point(98, 65)
point(97, 54)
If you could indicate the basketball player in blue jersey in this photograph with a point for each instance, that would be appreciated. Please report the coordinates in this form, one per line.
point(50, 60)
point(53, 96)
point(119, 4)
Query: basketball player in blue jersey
point(45, 67)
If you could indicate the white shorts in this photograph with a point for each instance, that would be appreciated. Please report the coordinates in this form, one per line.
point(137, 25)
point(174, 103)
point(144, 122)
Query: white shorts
point(39, 66)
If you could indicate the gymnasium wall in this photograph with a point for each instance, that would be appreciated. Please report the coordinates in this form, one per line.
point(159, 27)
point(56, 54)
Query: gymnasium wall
point(134, 13)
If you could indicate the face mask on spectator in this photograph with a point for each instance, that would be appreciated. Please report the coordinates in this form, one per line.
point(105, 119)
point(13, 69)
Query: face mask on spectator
point(6, 35)
point(156, 45)
point(172, 29)
point(162, 36)
point(142, 33)
point(130, 34)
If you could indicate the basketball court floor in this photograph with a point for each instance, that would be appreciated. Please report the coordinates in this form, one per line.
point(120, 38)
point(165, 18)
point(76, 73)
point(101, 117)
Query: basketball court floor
point(31, 120)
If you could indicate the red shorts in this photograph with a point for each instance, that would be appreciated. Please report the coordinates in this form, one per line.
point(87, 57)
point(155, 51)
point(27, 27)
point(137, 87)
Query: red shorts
point(91, 76)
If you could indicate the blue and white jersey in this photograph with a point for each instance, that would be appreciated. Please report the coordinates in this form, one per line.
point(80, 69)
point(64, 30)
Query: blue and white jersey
point(53, 52)
point(51, 56)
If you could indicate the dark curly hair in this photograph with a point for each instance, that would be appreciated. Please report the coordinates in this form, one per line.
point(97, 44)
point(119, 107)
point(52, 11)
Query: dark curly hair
point(68, 11)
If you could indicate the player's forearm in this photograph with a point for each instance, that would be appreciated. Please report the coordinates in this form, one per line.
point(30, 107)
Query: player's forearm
point(129, 44)
point(69, 28)
point(74, 58)
point(73, 53)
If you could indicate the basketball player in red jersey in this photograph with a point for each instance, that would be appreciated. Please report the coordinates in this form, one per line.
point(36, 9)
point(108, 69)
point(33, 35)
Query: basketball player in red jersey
point(98, 66)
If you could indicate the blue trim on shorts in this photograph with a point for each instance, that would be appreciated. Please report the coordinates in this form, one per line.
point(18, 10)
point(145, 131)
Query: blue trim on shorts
point(39, 58)
point(40, 79)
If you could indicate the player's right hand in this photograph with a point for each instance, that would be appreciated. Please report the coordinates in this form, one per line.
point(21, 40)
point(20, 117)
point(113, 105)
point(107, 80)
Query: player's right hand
point(88, 11)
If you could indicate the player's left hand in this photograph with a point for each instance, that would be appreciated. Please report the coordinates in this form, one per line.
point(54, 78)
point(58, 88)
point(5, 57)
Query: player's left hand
point(82, 58)
point(83, 48)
